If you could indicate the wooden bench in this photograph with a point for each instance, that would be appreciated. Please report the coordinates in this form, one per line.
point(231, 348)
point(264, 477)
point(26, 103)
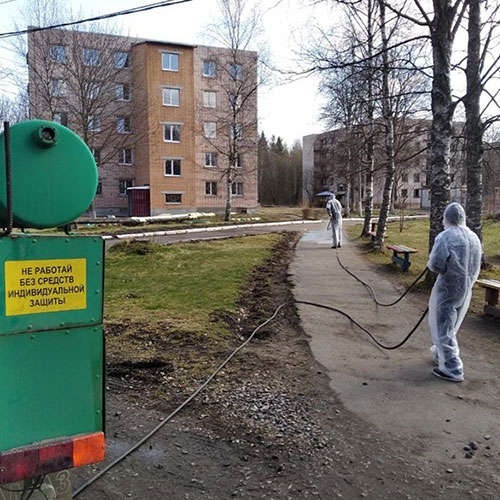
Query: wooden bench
point(405, 260)
point(492, 290)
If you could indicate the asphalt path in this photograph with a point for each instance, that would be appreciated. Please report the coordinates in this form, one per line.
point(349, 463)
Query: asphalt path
point(395, 390)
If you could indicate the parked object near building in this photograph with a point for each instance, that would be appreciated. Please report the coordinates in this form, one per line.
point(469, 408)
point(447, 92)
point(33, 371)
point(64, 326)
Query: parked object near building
point(154, 114)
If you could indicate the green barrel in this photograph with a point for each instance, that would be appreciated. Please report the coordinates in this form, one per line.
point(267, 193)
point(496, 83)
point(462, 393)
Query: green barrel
point(54, 175)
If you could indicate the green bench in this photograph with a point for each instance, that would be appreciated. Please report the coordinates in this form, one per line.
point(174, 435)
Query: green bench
point(401, 255)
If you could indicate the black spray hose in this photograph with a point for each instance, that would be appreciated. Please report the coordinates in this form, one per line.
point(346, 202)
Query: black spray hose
point(233, 353)
point(374, 296)
point(361, 327)
point(8, 179)
point(221, 366)
point(366, 285)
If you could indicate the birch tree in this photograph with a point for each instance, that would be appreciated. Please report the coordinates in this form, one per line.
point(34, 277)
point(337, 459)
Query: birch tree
point(349, 53)
point(442, 25)
point(473, 125)
point(481, 69)
point(344, 109)
point(377, 55)
point(238, 29)
point(388, 121)
point(79, 78)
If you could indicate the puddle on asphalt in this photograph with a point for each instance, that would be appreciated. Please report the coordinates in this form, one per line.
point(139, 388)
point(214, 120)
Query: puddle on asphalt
point(319, 237)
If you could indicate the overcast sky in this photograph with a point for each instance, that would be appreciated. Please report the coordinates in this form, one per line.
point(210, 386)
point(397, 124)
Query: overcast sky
point(289, 110)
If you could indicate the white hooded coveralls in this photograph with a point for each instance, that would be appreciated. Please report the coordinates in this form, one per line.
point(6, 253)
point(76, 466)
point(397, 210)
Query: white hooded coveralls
point(334, 209)
point(456, 256)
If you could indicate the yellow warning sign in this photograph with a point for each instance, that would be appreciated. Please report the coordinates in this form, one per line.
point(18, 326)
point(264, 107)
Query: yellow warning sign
point(38, 286)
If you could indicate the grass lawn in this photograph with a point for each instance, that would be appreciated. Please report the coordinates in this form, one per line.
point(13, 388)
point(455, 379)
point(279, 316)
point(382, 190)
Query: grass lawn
point(416, 235)
point(181, 284)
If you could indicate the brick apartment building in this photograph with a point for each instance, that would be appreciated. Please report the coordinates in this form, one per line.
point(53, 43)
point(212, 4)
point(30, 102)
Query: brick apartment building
point(166, 121)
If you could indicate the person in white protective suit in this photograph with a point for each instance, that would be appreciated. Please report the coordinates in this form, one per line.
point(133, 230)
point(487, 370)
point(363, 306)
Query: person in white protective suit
point(334, 209)
point(456, 256)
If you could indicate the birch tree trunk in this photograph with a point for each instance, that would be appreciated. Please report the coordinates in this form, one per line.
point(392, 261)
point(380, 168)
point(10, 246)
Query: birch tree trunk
point(473, 125)
point(442, 112)
point(347, 208)
point(360, 187)
point(388, 135)
point(370, 157)
point(369, 189)
point(227, 210)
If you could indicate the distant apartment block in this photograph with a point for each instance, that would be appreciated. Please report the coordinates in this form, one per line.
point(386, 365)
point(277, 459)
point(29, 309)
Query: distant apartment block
point(165, 120)
point(335, 161)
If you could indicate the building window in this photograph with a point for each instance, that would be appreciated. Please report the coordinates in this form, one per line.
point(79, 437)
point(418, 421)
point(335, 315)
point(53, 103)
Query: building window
point(237, 161)
point(170, 61)
point(236, 71)
point(416, 193)
point(209, 69)
point(404, 177)
point(58, 53)
point(61, 117)
point(58, 88)
point(123, 185)
point(90, 57)
point(210, 159)
point(235, 100)
point(236, 131)
point(416, 177)
point(172, 167)
point(94, 123)
point(123, 124)
point(171, 132)
point(210, 130)
point(97, 155)
point(404, 193)
point(211, 188)
point(237, 188)
point(94, 91)
point(99, 188)
point(209, 99)
point(171, 97)
point(173, 198)
point(122, 59)
point(125, 156)
point(122, 92)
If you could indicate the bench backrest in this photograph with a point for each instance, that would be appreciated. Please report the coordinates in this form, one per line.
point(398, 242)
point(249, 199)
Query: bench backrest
point(401, 248)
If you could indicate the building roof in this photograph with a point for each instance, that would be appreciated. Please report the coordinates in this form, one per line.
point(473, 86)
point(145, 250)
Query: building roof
point(164, 42)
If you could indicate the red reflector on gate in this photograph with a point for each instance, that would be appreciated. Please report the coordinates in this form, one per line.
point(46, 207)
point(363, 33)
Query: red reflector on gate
point(52, 456)
point(17, 465)
point(55, 452)
point(88, 449)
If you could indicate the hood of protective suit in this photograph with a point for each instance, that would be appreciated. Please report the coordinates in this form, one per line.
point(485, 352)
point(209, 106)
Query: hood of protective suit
point(332, 197)
point(454, 215)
